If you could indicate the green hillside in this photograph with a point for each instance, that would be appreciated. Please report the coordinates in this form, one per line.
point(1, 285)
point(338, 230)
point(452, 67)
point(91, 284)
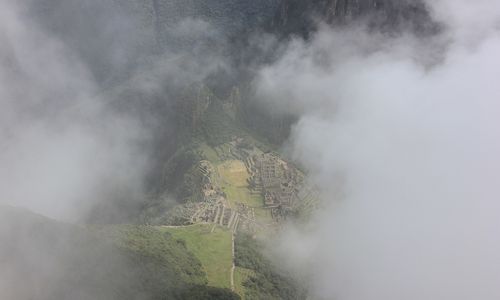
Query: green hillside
point(54, 260)
point(253, 275)
point(212, 246)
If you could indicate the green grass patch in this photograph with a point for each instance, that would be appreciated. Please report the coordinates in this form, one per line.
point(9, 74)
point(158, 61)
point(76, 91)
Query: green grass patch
point(234, 175)
point(242, 195)
point(213, 249)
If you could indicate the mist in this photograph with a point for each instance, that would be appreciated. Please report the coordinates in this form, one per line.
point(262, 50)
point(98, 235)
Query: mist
point(63, 149)
point(401, 134)
point(86, 96)
point(398, 130)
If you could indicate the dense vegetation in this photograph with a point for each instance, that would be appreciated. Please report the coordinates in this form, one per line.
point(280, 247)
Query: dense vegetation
point(267, 282)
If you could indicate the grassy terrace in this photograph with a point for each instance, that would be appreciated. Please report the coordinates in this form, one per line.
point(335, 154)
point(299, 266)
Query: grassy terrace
point(213, 249)
point(234, 175)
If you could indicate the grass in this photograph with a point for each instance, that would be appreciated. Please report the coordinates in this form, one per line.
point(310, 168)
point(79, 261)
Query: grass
point(240, 276)
point(242, 195)
point(213, 249)
point(234, 175)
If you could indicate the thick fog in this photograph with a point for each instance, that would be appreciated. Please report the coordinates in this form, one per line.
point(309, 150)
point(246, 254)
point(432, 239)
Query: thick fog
point(86, 95)
point(402, 136)
point(63, 148)
point(85, 108)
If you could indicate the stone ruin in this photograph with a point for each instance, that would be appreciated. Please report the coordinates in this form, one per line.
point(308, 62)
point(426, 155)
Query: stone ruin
point(279, 183)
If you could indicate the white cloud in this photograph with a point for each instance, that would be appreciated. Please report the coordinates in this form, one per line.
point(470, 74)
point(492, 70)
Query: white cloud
point(412, 154)
point(62, 149)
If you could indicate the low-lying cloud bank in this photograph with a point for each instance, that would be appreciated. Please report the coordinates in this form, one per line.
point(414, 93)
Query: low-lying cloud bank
point(86, 98)
point(63, 149)
point(402, 135)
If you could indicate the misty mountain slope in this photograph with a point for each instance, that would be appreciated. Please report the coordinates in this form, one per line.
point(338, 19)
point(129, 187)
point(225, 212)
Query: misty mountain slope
point(262, 278)
point(227, 17)
point(45, 259)
point(114, 37)
point(301, 16)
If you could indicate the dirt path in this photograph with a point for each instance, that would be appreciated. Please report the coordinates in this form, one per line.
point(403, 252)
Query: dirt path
point(182, 226)
point(232, 267)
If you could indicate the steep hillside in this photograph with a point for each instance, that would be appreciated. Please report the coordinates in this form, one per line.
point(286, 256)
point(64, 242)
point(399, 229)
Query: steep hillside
point(44, 259)
point(300, 16)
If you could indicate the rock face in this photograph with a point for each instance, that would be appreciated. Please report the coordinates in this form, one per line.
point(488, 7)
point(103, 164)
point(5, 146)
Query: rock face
point(300, 16)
